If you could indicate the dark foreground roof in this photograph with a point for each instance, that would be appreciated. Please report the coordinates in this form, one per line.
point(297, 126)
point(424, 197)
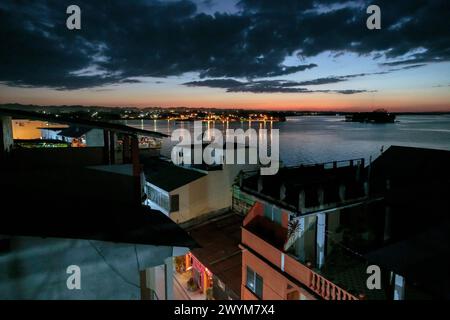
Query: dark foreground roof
point(419, 184)
point(416, 163)
point(116, 127)
point(424, 260)
point(166, 175)
point(75, 219)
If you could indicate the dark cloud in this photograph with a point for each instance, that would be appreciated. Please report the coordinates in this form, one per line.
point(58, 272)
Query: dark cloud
point(269, 89)
point(286, 86)
point(414, 66)
point(233, 85)
point(321, 81)
point(122, 40)
point(215, 83)
point(351, 91)
point(130, 81)
point(266, 86)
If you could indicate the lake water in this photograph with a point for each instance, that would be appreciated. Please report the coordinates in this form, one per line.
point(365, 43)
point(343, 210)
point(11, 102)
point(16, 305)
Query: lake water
point(313, 139)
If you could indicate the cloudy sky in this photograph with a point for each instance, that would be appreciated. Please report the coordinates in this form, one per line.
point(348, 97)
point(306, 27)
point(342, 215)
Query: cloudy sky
point(274, 54)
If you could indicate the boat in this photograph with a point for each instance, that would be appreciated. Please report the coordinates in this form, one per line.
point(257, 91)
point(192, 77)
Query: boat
point(376, 116)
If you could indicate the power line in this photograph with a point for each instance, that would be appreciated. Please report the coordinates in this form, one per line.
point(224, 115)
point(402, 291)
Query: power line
point(137, 259)
point(112, 267)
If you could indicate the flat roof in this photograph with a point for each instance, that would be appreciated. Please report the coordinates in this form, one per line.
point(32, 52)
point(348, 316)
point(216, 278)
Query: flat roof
point(74, 219)
point(166, 175)
point(424, 260)
point(309, 178)
point(64, 119)
point(81, 203)
point(403, 162)
point(219, 250)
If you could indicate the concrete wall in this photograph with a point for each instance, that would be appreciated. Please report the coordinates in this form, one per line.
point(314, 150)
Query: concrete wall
point(166, 147)
point(95, 138)
point(193, 200)
point(207, 194)
point(6, 134)
point(275, 285)
point(35, 268)
point(27, 129)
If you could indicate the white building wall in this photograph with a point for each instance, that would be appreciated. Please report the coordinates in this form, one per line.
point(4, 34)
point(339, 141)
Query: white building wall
point(207, 194)
point(95, 138)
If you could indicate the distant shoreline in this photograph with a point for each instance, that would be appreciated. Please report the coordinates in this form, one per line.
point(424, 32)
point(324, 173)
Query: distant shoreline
point(134, 110)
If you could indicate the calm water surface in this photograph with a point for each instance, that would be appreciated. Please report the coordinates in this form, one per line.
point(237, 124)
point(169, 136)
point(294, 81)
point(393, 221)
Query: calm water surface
point(327, 138)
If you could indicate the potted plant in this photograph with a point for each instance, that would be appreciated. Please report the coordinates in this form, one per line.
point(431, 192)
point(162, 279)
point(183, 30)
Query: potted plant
point(179, 264)
point(209, 294)
point(191, 285)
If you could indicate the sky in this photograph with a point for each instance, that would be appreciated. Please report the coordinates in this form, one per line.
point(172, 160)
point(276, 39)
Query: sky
point(256, 54)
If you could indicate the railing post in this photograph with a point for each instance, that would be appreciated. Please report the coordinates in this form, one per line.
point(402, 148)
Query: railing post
point(327, 294)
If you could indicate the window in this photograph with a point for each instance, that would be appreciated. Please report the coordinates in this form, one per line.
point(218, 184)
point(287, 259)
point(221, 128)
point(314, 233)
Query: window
point(268, 211)
point(276, 215)
point(273, 213)
point(254, 282)
point(159, 198)
point(175, 203)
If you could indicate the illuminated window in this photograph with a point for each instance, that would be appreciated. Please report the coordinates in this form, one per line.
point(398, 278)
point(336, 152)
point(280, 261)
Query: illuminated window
point(159, 198)
point(254, 282)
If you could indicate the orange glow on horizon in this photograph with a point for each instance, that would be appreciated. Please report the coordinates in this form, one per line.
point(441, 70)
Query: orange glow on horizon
point(394, 101)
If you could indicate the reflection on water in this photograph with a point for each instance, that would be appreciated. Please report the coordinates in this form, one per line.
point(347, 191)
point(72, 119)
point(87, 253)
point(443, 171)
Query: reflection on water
point(310, 139)
point(328, 138)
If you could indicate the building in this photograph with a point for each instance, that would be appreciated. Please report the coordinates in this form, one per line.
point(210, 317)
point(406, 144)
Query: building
point(284, 233)
point(312, 231)
point(81, 207)
point(415, 183)
point(188, 193)
point(213, 270)
point(174, 190)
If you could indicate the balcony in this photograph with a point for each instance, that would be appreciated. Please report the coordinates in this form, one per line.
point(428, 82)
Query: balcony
point(295, 269)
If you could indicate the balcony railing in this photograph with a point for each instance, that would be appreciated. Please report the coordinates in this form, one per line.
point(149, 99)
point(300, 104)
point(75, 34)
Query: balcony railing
point(327, 289)
point(314, 281)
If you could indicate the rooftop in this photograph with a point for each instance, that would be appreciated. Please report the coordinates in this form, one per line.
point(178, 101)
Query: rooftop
point(75, 202)
point(74, 219)
point(219, 250)
point(166, 175)
point(422, 259)
point(402, 226)
point(405, 165)
point(292, 185)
